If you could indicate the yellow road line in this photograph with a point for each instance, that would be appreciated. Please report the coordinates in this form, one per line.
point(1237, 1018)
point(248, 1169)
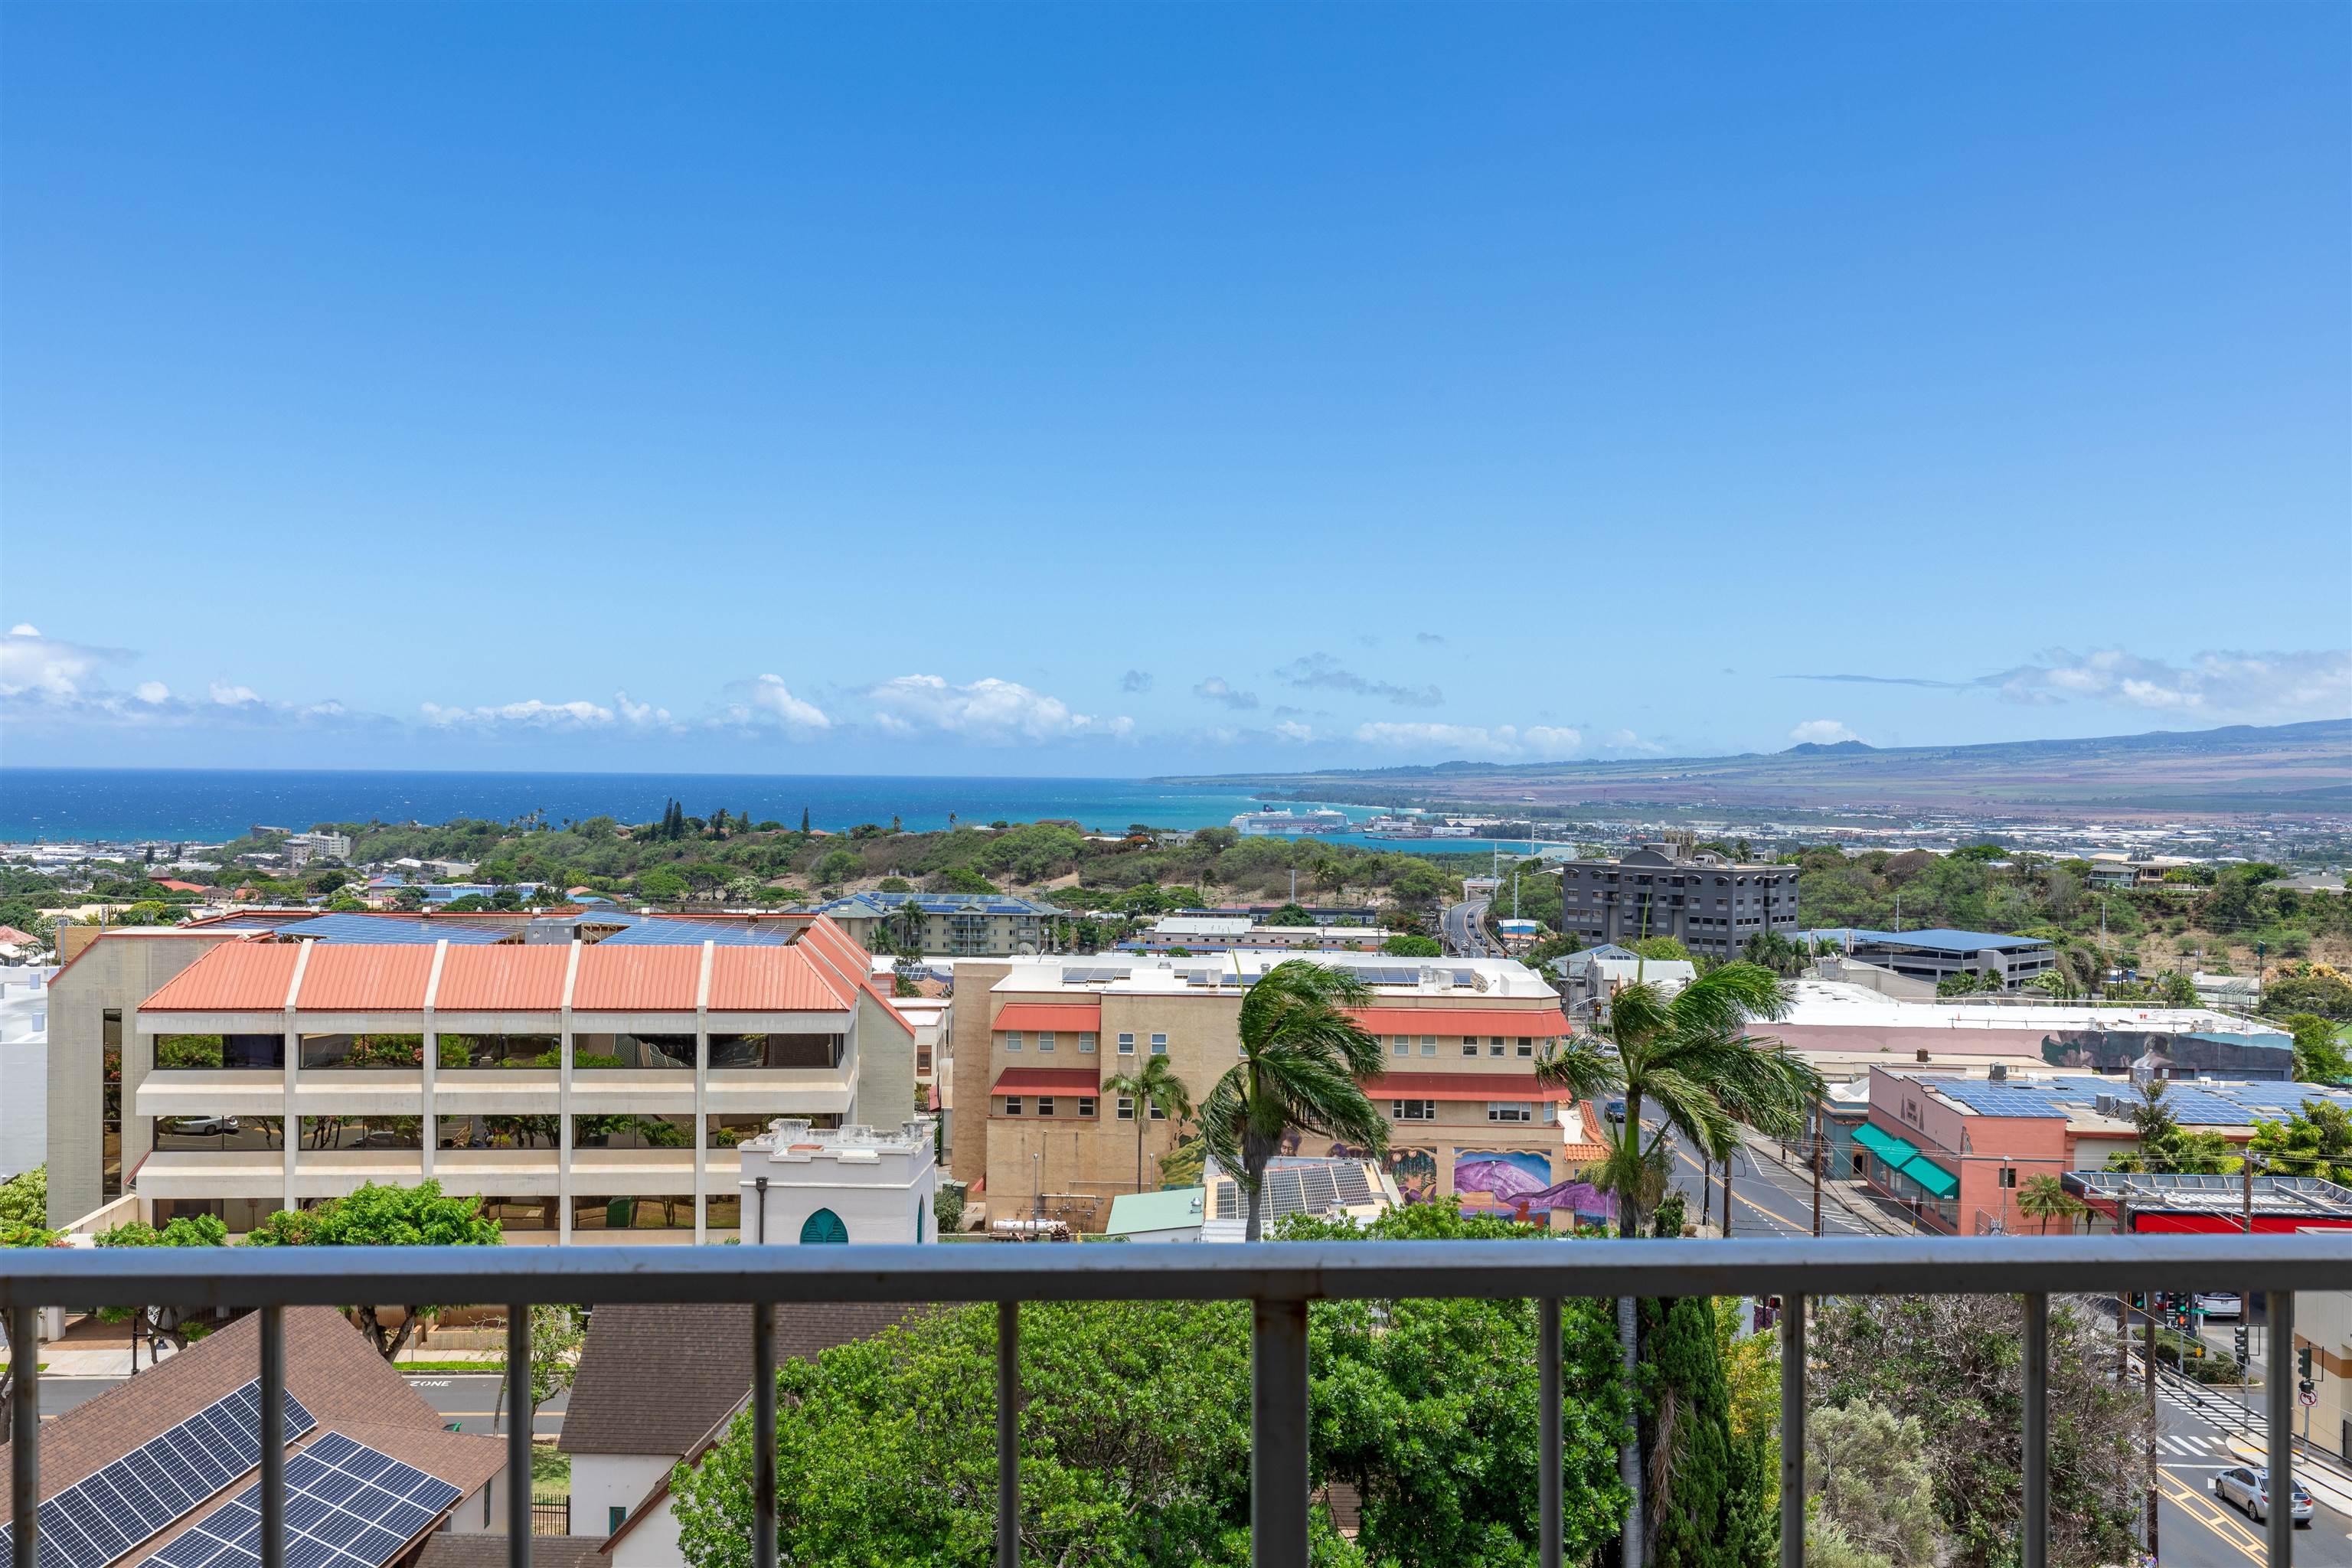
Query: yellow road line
point(1806, 1224)
point(2207, 1509)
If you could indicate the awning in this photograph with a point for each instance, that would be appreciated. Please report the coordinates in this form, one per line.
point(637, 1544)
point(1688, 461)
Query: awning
point(1047, 1080)
point(1471, 1086)
point(1048, 1017)
point(1939, 1182)
point(1886, 1145)
point(1542, 1023)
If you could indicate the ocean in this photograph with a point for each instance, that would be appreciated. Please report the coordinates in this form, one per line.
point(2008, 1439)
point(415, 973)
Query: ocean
point(61, 804)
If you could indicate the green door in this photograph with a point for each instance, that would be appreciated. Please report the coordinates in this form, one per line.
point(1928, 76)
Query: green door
point(822, 1227)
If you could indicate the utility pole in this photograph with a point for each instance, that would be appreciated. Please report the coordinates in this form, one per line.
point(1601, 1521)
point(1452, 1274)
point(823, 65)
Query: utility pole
point(1727, 1197)
point(1817, 1170)
point(2147, 1368)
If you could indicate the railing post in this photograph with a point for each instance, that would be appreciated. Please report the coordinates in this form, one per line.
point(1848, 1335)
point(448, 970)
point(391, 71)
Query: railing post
point(25, 1432)
point(273, 1438)
point(2035, 1534)
point(2278, 1307)
point(1793, 1432)
point(1547, 1483)
point(1008, 1434)
point(763, 1435)
point(519, 1418)
point(1279, 1505)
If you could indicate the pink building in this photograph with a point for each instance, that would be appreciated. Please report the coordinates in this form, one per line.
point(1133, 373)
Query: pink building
point(1958, 1150)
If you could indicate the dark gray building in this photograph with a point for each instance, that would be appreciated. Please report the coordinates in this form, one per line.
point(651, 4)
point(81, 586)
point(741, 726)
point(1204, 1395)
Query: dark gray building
point(1710, 904)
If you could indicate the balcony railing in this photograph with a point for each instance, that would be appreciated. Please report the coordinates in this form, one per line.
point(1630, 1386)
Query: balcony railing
point(1277, 1279)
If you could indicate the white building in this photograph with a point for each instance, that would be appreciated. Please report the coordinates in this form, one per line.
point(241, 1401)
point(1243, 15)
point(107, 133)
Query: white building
point(801, 1186)
point(24, 1068)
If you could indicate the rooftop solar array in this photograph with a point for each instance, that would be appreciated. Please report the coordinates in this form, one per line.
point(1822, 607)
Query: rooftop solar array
point(1301, 1189)
point(1097, 975)
point(2004, 1098)
point(347, 1506)
point(656, 932)
point(102, 1516)
point(350, 928)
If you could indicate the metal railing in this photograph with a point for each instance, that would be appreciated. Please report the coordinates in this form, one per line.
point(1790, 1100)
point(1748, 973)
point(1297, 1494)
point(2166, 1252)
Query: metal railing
point(1277, 1279)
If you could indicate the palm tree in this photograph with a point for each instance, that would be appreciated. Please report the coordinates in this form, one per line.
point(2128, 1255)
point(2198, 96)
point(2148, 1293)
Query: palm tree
point(1301, 1055)
point(2045, 1198)
point(1154, 1086)
point(1693, 1056)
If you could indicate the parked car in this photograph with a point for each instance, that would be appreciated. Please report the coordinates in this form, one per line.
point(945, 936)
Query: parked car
point(2250, 1489)
point(1615, 1109)
point(205, 1126)
point(2220, 1303)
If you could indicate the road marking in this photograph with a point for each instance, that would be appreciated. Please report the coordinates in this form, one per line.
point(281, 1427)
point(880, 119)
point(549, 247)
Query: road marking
point(1789, 1225)
point(2207, 1509)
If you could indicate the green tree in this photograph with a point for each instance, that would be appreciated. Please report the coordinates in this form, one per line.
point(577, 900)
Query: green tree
point(1153, 1086)
point(2044, 1197)
point(1290, 915)
point(1866, 1468)
point(1664, 949)
point(2317, 1141)
point(24, 1201)
point(1403, 945)
point(2318, 1049)
point(1692, 1057)
point(383, 1216)
point(964, 879)
point(189, 1230)
point(1695, 1513)
point(1302, 1053)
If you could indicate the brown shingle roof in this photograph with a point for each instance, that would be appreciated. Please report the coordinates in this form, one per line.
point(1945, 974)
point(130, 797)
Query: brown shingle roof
point(450, 1549)
point(330, 1367)
point(655, 1378)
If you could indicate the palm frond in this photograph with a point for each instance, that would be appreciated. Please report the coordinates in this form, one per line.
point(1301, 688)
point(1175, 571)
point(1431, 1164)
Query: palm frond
point(1583, 1068)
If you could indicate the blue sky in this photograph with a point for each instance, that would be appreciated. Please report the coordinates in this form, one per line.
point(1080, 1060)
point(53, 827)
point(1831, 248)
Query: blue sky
point(1110, 390)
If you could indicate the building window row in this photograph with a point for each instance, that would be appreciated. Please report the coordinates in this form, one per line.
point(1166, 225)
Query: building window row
point(215, 1133)
point(1413, 1111)
point(1016, 1105)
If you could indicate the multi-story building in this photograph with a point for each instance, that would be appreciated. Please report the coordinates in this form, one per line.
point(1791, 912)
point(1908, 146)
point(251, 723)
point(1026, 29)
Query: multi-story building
point(580, 1074)
point(302, 849)
point(1218, 933)
point(954, 925)
point(1710, 904)
point(1039, 1042)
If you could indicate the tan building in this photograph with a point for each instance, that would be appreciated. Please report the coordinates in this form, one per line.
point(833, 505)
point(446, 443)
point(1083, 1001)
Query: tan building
point(1036, 1040)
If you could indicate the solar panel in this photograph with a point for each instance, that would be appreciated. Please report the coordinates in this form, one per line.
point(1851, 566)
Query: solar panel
point(347, 1506)
point(104, 1515)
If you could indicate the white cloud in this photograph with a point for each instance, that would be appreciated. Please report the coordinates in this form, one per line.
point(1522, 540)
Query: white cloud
point(1821, 732)
point(530, 714)
point(771, 696)
point(24, 629)
point(1291, 729)
point(1320, 671)
point(1216, 689)
point(152, 691)
point(639, 715)
point(2220, 687)
point(1627, 741)
point(48, 670)
point(1500, 742)
point(226, 695)
point(988, 711)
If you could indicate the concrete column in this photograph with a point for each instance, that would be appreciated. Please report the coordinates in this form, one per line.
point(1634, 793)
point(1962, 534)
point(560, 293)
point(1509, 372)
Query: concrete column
point(702, 1091)
point(429, 1123)
point(564, 1102)
point(291, 1125)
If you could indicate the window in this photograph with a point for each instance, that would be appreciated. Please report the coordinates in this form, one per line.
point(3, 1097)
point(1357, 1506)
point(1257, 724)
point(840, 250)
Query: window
point(1045, 1040)
point(1157, 1114)
point(1429, 1045)
point(1012, 1105)
point(1159, 1044)
point(1045, 1105)
point(823, 1229)
point(1413, 1109)
point(1403, 1046)
point(1086, 1044)
point(1013, 1041)
point(614, 1517)
point(1526, 1045)
point(1126, 1108)
point(1085, 1106)
point(1127, 1045)
point(2008, 1176)
point(1509, 1111)
point(1493, 1045)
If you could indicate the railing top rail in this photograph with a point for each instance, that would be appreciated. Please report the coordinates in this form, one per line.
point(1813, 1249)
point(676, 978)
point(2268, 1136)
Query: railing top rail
point(242, 1276)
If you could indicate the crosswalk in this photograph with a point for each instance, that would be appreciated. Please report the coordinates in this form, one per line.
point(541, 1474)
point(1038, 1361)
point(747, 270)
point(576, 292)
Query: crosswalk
point(2194, 1445)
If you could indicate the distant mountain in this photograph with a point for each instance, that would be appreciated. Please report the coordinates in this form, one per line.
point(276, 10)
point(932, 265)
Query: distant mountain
point(2302, 767)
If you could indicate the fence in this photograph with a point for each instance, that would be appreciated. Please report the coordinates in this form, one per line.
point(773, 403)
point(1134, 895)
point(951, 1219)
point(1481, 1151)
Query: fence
point(1277, 1279)
point(550, 1514)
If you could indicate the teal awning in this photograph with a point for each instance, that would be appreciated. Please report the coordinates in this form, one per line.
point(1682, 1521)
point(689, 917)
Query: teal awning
point(1939, 1182)
point(1886, 1145)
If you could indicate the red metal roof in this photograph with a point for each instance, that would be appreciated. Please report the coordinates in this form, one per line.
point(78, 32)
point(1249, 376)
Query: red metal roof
point(637, 979)
point(1461, 1086)
point(502, 979)
point(1545, 1022)
point(235, 977)
point(1047, 1080)
point(358, 977)
point(1051, 1017)
point(772, 980)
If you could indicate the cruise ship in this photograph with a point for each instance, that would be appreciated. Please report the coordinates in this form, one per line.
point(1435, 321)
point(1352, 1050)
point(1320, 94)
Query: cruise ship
point(1270, 822)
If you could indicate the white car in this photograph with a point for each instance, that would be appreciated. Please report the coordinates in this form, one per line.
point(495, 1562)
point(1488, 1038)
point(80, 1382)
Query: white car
point(2220, 1303)
point(2250, 1489)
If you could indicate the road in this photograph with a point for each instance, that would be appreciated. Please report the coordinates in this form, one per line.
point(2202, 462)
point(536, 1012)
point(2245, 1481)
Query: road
point(1767, 1199)
point(1465, 929)
point(466, 1399)
point(2194, 1528)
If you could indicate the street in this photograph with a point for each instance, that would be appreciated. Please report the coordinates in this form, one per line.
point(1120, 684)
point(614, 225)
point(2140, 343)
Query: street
point(1767, 1199)
point(464, 1399)
point(2196, 1530)
point(1465, 930)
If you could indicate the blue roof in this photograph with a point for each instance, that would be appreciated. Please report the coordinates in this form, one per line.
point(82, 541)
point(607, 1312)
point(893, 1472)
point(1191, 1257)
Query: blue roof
point(1939, 938)
point(349, 928)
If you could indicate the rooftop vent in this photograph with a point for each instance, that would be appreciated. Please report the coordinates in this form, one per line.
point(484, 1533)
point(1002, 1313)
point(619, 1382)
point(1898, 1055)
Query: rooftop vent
point(1999, 1073)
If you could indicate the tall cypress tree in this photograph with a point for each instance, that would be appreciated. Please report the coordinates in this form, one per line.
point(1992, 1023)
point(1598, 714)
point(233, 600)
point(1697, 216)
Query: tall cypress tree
point(1695, 1488)
point(805, 821)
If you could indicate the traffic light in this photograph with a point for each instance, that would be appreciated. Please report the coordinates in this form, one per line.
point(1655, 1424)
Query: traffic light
point(2303, 1366)
point(2241, 1340)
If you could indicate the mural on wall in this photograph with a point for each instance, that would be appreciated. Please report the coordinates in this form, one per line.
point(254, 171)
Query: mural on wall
point(1414, 1172)
point(1516, 1183)
point(2245, 1056)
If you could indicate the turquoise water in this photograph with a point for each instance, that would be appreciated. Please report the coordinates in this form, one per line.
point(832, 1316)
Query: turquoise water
point(211, 805)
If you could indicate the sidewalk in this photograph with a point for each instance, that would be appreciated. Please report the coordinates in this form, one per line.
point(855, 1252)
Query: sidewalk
point(1860, 1208)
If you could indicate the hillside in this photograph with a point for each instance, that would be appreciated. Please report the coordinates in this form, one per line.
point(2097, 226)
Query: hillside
point(2299, 768)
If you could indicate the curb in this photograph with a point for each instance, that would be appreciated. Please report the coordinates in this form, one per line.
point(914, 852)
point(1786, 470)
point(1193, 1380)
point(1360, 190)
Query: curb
point(2323, 1484)
point(1762, 1148)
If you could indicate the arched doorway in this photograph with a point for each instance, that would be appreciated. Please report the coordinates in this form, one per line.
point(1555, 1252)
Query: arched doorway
point(824, 1227)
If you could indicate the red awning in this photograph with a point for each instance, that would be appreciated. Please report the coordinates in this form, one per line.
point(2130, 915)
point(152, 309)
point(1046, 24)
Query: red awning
point(1083, 1018)
point(1047, 1080)
point(1456, 1022)
point(1461, 1086)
